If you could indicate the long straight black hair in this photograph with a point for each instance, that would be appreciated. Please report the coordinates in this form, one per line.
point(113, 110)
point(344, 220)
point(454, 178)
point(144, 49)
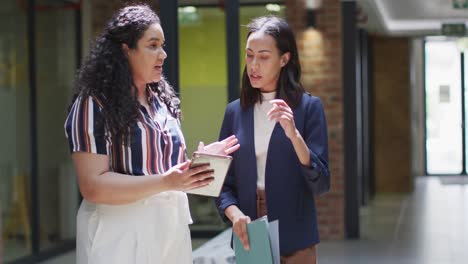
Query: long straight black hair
point(288, 87)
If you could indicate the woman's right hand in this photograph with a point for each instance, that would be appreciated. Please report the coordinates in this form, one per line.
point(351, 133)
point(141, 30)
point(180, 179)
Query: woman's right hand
point(239, 226)
point(183, 178)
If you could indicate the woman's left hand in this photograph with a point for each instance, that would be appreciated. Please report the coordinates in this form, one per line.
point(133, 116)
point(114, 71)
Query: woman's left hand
point(282, 113)
point(223, 147)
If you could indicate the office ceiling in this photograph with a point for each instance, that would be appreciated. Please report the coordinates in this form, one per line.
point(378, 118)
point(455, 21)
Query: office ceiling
point(391, 17)
point(217, 2)
point(409, 17)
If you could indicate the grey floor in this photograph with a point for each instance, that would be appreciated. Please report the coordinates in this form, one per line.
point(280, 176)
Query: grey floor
point(429, 226)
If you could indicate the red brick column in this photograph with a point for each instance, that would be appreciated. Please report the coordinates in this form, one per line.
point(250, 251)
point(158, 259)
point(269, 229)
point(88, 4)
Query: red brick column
point(320, 55)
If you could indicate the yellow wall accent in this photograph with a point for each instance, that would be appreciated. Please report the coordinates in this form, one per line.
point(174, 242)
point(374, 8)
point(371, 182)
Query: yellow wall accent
point(203, 71)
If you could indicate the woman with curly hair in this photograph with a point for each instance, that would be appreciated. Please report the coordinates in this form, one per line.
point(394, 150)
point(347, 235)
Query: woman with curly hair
point(128, 150)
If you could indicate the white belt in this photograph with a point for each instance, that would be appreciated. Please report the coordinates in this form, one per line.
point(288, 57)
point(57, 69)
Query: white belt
point(177, 200)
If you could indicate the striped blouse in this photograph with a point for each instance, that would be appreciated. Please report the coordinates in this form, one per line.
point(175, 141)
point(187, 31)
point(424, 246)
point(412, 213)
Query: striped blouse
point(156, 142)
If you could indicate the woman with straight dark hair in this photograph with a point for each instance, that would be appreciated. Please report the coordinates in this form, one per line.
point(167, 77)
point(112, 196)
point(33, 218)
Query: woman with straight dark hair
point(283, 159)
point(129, 154)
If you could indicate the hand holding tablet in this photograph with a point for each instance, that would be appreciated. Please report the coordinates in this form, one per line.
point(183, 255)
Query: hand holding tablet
point(220, 165)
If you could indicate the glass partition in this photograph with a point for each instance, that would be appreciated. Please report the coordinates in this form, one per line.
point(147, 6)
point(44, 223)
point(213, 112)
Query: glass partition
point(15, 134)
point(203, 84)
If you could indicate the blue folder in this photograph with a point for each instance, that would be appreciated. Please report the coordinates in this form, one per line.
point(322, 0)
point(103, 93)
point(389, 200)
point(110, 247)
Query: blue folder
point(263, 240)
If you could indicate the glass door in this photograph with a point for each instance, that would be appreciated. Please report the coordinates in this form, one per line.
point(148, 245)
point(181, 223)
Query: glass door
point(464, 80)
point(55, 70)
point(38, 190)
point(15, 135)
point(203, 87)
point(444, 125)
point(203, 93)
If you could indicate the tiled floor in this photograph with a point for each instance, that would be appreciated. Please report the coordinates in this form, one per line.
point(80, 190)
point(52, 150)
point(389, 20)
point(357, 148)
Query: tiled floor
point(429, 226)
point(14, 249)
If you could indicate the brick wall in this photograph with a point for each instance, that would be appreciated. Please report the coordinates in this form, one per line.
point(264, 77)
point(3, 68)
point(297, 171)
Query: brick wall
point(392, 131)
point(320, 55)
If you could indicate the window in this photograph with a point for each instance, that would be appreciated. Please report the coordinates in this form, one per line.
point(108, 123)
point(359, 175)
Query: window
point(444, 124)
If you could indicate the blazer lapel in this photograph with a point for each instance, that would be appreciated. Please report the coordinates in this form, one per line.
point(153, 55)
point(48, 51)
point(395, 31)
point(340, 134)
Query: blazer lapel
point(249, 155)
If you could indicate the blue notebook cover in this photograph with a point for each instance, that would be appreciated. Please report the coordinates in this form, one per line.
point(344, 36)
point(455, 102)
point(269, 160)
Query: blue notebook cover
point(259, 239)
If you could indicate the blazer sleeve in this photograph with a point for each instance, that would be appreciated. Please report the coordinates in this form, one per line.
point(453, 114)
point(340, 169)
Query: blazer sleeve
point(228, 194)
point(317, 174)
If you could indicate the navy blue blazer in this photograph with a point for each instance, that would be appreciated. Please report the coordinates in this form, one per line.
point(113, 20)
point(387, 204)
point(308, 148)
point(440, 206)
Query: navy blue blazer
point(290, 187)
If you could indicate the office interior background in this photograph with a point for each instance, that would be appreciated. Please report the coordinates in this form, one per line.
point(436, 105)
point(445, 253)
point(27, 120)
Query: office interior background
point(392, 75)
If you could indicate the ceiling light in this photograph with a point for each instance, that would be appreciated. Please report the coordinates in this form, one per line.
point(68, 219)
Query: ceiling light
point(462, 44)
point(311, 7)
point(460, 4)
point(313, 4)
point(188, 9)
point(273, 7)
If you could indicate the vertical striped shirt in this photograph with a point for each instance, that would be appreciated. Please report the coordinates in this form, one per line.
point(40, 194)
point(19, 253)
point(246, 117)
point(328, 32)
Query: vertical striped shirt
point(156, 142)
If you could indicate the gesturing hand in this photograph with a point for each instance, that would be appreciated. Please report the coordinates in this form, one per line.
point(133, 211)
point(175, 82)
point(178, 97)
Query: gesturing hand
point(282, 113)
point(182, 178)
point(223, 147)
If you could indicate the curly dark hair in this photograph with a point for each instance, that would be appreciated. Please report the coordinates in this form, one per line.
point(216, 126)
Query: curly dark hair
point(289, 87)
point(106, 76)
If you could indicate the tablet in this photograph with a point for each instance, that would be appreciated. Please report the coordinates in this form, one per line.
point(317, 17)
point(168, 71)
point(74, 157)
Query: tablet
point(220, 165)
